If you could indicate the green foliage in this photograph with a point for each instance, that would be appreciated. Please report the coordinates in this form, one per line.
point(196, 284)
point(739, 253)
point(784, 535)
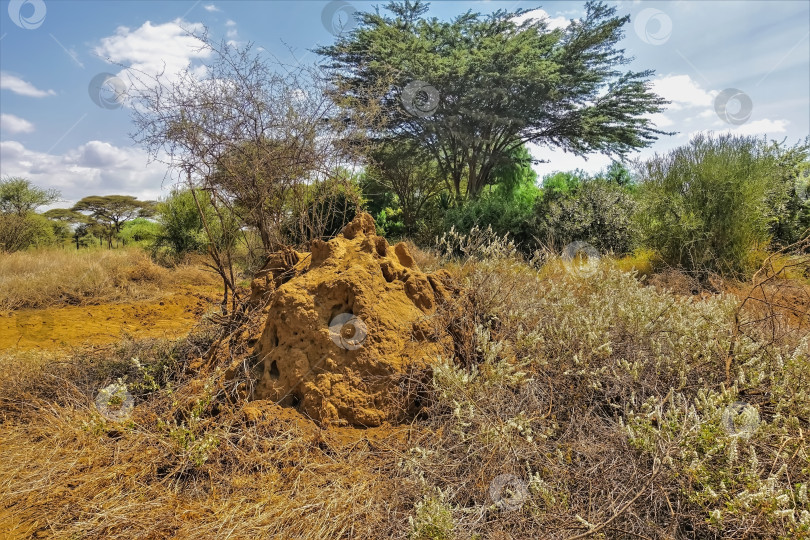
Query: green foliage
point(505, 207)
point(182, 225)
point(140, 231)
point(597, 210)
point(433, 519)
point(493, 85)
point(412, 175)
point(21, 232)
point(705, 205)
point(323, 209)
point(389, 223)
point(111, 212)
point(789, 200)
point(18, 196)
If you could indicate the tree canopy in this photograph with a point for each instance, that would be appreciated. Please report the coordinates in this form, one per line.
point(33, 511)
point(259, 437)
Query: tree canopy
point(18, 196)
point(472, 90)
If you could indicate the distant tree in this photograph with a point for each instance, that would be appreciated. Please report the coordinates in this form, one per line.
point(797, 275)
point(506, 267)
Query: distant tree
point(20, 226)
point(71, 221)
point(472, 90)
point(182, 226)
point(112, 211)
point(140, 231)
point(19, 196)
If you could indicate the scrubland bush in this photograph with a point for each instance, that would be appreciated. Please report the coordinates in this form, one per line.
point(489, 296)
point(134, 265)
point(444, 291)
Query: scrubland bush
point(712, 205)
point(593, 210)
point(572, 402)
point(609, 404)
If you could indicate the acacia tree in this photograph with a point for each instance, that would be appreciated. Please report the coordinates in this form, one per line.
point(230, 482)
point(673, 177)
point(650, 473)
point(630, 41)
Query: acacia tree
point(249, 133)
point(472, 90)
point(18, 196)
point(112, 211)
point(408, 172)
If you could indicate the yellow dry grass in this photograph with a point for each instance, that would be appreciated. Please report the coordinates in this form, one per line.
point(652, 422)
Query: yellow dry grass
point(43, 278)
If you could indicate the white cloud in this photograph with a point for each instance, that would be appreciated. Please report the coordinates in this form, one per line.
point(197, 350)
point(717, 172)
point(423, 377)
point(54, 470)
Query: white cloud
point(661, 120)
point(21, 87)
point(14, 124)
point(232, 33)
point(765, 126)
point(762, 127)
point(152, 49)
point(552, 22)
point(211, 8)
point(93, 168)
point(559, 160)
point(683, 92)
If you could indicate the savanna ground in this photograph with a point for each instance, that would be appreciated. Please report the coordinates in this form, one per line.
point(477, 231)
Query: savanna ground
point(579, 401)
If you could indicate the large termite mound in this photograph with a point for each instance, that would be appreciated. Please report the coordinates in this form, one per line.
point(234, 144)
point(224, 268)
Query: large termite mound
point(345, 323)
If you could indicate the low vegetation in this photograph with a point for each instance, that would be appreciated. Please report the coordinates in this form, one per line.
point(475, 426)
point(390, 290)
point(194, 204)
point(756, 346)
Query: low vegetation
point(51, 277)
point(692, 410)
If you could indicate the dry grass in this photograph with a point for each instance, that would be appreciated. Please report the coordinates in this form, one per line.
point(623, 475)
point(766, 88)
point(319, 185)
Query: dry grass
point(44, 278)
point(604, 400)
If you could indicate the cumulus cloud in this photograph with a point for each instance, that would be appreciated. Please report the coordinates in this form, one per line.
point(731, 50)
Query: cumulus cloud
point(540, 14)
point(14, 124)
point(169, 48)
point(683, 92)
point(93, 168)
point(211, 8)
point(232, 33)
point(765, 126)
point(21, 87)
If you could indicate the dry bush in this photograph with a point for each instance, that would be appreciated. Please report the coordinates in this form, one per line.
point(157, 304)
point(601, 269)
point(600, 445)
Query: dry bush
point(43, 278)
point(604, 401)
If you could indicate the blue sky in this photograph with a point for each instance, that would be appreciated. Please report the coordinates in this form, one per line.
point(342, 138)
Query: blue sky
point(740, 66)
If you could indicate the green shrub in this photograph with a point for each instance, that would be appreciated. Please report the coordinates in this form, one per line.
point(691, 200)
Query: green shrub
point(575, 207)
point(18, 232)
point(708, 206)
point(182, 228)
point(140, 231)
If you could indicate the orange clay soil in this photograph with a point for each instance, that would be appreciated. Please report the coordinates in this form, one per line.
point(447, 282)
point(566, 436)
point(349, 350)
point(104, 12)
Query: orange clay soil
point(171, 316)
